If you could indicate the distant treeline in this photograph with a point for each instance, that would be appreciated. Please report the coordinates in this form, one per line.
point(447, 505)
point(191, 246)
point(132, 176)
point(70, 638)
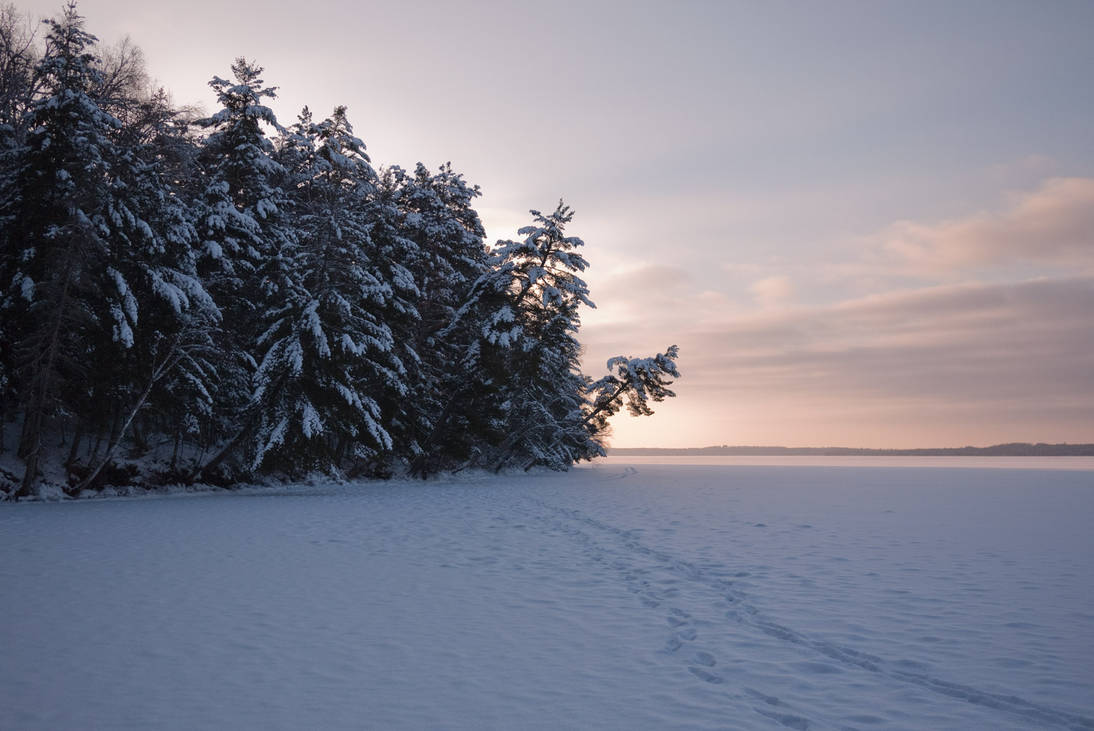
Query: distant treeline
point(210, 298)
point(1013, 449)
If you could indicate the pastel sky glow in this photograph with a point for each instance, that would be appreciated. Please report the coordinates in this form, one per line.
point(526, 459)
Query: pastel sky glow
point(865, 223)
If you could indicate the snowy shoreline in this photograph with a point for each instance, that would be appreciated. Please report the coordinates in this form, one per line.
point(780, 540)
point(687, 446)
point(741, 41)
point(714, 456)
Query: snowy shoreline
point(1064, 463)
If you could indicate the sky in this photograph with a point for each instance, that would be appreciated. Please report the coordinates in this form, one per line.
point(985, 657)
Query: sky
point(864, 223)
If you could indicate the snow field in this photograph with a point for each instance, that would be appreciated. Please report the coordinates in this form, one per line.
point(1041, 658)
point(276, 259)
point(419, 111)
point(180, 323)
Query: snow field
point(613, 596)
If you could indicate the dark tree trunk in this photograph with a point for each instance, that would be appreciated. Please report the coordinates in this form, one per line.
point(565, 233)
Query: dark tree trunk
point(32, 427)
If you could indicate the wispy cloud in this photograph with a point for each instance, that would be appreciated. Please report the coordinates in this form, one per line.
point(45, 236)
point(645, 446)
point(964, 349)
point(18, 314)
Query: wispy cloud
point(958, 343)
point(1053, 225)
point(650, 297)
point(975, 325)
point(1012, 360)
point(772, 291)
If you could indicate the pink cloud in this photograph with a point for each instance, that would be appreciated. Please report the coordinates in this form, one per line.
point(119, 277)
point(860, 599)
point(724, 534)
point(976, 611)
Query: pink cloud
point(772, 291)
point(970, 363)
point(1052, 225)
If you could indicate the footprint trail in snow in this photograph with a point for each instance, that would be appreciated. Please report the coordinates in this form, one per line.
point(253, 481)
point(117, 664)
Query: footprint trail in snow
point(662, 580)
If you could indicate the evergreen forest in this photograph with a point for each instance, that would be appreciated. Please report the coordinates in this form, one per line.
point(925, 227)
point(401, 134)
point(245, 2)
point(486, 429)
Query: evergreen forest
point(221, 298)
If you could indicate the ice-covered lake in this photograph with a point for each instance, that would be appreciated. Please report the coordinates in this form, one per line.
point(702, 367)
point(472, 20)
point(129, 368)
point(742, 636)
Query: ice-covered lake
point(619, 595)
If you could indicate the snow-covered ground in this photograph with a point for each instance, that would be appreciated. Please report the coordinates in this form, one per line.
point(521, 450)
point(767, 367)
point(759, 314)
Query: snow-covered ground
point(613, 596)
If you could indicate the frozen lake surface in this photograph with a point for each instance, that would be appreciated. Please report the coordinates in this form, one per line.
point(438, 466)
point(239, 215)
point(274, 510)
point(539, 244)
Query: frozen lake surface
point(613, 596)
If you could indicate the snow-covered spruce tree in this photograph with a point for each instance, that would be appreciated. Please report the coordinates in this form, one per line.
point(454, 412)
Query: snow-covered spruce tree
point(437, 214)
point(329, 352)
point(98, 297)
point(247, 255)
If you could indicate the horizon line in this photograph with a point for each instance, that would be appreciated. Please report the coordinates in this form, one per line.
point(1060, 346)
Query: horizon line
point(1085, 447)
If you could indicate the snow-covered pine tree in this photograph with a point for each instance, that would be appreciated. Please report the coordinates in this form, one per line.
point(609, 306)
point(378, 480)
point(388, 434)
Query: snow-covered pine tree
point(451, 256)
point(472, 422)
point(18, 61)
point(364, 323)
point(8, 266)
point(389, 252)
point(534, 335)
point(180, 316)
point(438, 216)
point(180, 406)
point(247, 253)
point(329, 355)
point(98, 296)
point(525, 360)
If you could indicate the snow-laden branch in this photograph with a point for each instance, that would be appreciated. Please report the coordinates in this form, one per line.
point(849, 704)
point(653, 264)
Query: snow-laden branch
point(636, 381)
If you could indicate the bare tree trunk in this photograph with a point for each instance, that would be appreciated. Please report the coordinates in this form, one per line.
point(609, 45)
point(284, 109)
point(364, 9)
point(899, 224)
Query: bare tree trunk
point(178, 447)
point(228, 448)
point(115, 424)
point(115, 440)
point(93, 450)
point(76, 439)
point(140, 444)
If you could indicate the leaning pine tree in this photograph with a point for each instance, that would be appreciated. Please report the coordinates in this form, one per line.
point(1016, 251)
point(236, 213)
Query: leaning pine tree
point(552, 414)
point(545, 390)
